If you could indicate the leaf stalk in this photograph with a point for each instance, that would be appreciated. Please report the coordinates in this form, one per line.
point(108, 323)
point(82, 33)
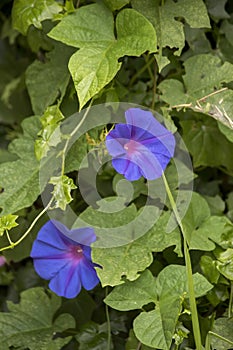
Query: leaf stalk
point(192, 299)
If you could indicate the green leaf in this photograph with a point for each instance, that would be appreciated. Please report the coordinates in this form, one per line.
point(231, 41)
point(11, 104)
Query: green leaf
point(211, 232)
point(164, 18)
point(19, 178)
point(135, 34)
point(90, 25)
point(158, 238)
point(216, 204)
point(216, 8)
point(48, 81)
point(30, 323)
point(7, 222)
point(204, 74)
point(133, 343)
point(96, 63)
point(225, 263)
point(121, 262)
point(92, 68)
point(33, 12)
point(208, 266)
point(129, 259)
point(93, 337)
point(116, 4)
point(49, 135)
point(75, 155)
point(223, 327)
point(194, 210)
point(112, 228)
point(202, 137)
point(23, 146)
point(173, 92)
point(9, 89)
point(156, 328)
point(63, 185)
point(133, 295)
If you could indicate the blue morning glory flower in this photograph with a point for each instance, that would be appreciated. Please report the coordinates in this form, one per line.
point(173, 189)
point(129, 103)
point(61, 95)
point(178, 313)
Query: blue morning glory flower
point(141, 147)
point(63, 256)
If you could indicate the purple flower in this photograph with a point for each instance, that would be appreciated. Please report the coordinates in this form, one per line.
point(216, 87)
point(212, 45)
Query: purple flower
point(141, 147)
point(63, 256)
point(2, 260)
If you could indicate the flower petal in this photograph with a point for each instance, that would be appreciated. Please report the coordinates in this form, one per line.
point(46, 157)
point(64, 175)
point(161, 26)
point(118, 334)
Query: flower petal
point(49, 234)
point(148, 163)
point(88, 274)
point(48, 266)
point(66, 282)
point(84, 235)
point(128, 168)
point(146, 122)
point(117, 138)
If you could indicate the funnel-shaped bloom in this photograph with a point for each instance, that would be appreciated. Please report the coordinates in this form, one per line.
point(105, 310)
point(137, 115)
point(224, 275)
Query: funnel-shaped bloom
point(63, 256)
point(141, 147)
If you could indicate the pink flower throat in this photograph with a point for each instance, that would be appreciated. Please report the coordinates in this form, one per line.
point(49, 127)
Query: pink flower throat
point(76, 252)
point(131, 146)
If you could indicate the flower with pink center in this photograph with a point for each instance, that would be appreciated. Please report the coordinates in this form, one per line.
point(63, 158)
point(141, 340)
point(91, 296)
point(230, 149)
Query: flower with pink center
point(63, 256)
point(141, 147)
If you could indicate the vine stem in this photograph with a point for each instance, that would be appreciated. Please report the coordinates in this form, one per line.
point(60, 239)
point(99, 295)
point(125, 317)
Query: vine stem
point(14, 244)
point(140, 71)
point(202, 99)
point(207, 345)
point(108, 323)
point(230, 301)
point(192, 299)
point(63, 154)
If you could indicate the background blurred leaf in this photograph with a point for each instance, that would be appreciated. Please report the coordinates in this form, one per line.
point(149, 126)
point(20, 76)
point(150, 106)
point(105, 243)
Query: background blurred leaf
point(47, 81)
point(30, 323)
point(223, 327)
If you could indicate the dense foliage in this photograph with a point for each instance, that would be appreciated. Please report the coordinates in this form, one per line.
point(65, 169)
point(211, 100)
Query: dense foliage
point(69, 70)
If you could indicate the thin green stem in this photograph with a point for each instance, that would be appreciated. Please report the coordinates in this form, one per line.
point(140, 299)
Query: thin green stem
point(140, 71)
point(8, 237)
point(14, 244)
point(108, 323)
point(207, 342)
point(154, 86)
point(192, 299)
point(77, 4)
point(230, 301)
point(71, 135)
point(220, 337)
point(148, 67)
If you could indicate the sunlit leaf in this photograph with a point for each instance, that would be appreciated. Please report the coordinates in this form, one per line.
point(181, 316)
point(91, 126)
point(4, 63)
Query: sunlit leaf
point(7, 222)
point(63, 185)
point(96, 64)
point(33, 12)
